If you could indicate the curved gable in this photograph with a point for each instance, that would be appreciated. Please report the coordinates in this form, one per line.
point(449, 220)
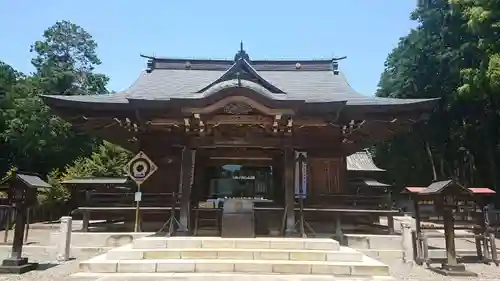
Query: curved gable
point(241, 70)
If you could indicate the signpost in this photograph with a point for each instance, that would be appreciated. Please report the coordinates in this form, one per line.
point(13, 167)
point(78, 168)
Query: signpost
point(139, 169)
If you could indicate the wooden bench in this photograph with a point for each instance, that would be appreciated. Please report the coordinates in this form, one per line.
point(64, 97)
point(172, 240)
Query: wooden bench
point(120, 202)
point(486, 248)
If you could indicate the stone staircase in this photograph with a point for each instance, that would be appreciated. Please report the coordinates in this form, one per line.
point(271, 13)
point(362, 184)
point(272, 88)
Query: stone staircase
point(214, 257)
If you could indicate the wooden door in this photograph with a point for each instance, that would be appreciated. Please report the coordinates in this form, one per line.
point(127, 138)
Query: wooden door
point(326, 175)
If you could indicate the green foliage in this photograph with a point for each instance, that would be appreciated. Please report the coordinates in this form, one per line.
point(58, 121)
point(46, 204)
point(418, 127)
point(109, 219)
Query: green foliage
point(31, 136)
point(107, 160)
point(65, 61)
point(453, 54)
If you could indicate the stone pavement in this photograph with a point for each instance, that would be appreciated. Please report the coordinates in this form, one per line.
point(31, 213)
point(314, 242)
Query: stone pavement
point(62, 271)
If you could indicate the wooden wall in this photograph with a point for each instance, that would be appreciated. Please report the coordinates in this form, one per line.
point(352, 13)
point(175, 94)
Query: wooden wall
point(168, 160)
point(326, 175)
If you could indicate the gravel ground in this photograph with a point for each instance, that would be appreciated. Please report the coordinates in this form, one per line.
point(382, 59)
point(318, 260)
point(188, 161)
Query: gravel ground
point(408, 272)
point(38, 250)
point(49, 269)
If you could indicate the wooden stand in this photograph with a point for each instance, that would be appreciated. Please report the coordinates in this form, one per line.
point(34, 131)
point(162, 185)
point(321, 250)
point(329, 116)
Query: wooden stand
point(444, 196)
point(16, 264)
point(451, 267)
point(22, 194)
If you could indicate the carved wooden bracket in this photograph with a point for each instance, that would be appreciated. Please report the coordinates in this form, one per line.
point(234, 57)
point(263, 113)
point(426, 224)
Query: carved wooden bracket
point(201, 124)
point(289, 125)
point(128, 124)
point(277, 119)
point(187, 124)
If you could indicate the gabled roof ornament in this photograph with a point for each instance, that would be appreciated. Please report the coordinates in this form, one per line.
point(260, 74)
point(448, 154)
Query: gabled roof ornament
point(241, 54)
point(335, 64)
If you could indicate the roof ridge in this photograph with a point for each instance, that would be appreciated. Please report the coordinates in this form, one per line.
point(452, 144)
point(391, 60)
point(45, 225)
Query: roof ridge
point(229, 60)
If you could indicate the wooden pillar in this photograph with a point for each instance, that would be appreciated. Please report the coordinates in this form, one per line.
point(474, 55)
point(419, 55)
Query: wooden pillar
point(289, 185)
point(187, 162)
point(278, 175)
point(416, 212)
point(482, 247)
point(86, 213)
point(301, 161)
point(200, 184)
point(449, 231)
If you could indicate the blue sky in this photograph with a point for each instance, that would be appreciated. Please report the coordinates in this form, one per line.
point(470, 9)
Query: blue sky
point(363, 30)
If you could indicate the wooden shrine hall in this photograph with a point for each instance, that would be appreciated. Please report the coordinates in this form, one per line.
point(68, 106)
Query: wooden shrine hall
point(264, 131)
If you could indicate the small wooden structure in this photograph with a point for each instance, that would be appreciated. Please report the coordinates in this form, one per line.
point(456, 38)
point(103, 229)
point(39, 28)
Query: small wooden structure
point(22, 193)
point(453, 204)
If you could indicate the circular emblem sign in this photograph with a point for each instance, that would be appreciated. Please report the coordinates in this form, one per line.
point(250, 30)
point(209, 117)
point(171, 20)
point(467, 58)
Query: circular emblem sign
point(140, 168)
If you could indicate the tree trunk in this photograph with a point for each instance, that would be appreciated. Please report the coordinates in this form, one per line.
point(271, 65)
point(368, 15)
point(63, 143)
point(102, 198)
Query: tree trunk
point(441, 167)
point(431, 159)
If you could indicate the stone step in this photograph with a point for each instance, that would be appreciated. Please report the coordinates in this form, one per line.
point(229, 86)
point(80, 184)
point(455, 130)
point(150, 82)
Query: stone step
point(237, 243)
point(128, 253)
point(88, 276)
point(367, 267)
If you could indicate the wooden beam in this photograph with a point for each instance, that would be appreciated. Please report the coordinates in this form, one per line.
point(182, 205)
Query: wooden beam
point(236, 100)
point(239, 152)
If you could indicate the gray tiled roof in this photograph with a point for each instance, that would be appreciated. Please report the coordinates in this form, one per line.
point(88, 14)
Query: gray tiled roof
point(312, 86)
point(33, 181)
point(361, 161)
point(367, 183)
point(439, 187)
point(313, 81)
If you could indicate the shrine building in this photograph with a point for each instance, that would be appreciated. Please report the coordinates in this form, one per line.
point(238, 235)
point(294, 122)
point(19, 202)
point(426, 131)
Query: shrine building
point(243, 127)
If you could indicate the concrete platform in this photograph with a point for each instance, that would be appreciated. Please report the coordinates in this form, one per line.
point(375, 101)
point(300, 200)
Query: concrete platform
point(208, 255)
point(100, 239)
point(217, 277)
point(129, 253)
point(237, 243)
point(366, 267)
point(374, 242)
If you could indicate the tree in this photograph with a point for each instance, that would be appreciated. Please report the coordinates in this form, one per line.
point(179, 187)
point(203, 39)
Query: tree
point(66, 59)
point(429, 62)
point(37, 140)
point(8, 78)
point(481, 79)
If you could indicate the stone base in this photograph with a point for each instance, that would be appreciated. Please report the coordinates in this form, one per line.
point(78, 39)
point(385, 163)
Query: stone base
point(17, 266)
point(238, 219)
point(454, 270)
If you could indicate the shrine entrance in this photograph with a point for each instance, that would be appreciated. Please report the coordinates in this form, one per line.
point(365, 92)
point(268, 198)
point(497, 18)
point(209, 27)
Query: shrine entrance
point(242, 173)
point(245, 181)
point(225, 176)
